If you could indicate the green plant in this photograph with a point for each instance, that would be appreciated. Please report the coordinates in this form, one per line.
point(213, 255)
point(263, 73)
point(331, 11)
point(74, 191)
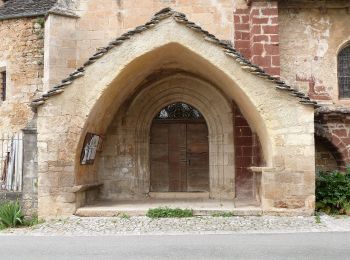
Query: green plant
point(11, 214)
point(347, 208)
point(317, 218)
point(165, 212)
point(124, 216)
point(41, 22)
point(224, 214)
point(332, 192)
point(34, 220)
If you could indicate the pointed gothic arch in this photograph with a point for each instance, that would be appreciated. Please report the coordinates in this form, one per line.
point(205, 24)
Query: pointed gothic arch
point(94, 96)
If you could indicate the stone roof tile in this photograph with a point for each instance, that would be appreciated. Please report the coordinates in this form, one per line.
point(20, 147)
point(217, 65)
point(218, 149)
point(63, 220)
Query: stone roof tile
point(332, 110)
point(180, 18)
point(25, 8)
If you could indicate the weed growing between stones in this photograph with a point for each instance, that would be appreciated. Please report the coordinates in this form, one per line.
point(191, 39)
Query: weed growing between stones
point(33, 221)
point(317, 218)
point(165, 212)
point(223, 214)
point(124, 216)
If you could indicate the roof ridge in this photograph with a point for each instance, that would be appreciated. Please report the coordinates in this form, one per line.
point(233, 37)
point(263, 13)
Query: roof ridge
point(179, 18)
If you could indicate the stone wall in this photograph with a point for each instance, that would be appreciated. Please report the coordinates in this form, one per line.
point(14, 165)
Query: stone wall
point(325, 159)
point(299, 42)
point(60, 49)
point(30, 172)
point(285, 127)
point(309, 43)
point(21, 53)
point(71, 41)
point(334, 128)
point(247, 154)
point(257, 34)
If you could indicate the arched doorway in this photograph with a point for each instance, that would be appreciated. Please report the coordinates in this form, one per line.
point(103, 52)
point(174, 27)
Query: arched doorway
point(125, 162)
point(97, 99)
point(179, 150)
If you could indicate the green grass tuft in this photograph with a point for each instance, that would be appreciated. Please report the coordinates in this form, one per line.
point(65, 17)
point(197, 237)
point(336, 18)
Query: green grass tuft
point(165, 212)
point(223, 214)
point(317, 218)
point(124, 216)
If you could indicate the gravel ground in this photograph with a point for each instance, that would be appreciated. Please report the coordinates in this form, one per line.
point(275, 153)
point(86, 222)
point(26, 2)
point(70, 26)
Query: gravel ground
point(84, 226)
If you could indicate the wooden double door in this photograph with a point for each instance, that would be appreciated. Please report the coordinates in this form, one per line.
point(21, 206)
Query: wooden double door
point(179, 157)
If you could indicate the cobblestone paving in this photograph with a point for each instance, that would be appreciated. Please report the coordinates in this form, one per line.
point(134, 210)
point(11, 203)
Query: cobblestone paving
point(206, 225)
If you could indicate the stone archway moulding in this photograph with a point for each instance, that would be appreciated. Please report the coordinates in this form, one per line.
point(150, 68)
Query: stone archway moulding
point(285, 127)
point(139, 115)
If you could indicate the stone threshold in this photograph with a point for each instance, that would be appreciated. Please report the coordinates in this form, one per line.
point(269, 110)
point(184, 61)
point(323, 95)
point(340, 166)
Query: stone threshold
point(179, 195)
point(200, 207)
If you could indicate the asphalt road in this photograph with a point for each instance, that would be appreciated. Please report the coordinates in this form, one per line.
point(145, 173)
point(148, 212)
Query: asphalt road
point(239, 246)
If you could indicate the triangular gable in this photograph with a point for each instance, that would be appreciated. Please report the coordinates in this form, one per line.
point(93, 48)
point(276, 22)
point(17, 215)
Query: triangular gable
point(168, 13)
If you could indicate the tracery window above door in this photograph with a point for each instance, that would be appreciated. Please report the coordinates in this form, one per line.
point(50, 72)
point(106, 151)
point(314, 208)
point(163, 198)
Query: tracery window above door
point(344, 72)
point(179, 111)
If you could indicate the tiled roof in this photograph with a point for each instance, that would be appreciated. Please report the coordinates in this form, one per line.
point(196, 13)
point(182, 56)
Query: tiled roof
point(168, 13)
point(25, 8)
point(332, 110)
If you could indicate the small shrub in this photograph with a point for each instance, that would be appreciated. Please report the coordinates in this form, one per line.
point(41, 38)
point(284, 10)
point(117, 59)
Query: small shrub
point(223, 214)
point(332, 192)
point(165, 212)
point(10, 214)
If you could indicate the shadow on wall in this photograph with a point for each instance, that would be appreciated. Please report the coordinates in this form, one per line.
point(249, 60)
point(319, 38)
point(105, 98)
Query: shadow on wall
point(328, 158)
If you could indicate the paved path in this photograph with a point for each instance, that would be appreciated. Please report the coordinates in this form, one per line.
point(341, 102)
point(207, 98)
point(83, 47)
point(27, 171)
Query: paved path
point(234, 246)
point(78, 226)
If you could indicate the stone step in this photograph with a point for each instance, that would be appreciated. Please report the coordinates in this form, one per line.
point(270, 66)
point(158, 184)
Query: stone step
point(114, 212)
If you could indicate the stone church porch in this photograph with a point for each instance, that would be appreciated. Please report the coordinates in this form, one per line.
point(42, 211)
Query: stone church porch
point(249, 119)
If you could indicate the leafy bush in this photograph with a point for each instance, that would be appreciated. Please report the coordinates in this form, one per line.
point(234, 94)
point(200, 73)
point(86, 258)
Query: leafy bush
point(11, 214)
point(333, 192)
point(169, 213)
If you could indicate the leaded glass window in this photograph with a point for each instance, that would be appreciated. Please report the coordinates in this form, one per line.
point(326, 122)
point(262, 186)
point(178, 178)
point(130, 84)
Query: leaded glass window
point(179, 111)
point(344, 72)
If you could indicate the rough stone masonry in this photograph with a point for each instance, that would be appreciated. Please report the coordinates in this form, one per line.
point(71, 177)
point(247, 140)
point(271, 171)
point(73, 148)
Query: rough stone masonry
point(75, 68)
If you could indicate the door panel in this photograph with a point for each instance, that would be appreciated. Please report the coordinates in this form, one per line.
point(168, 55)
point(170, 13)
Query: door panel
point(177, 157)
point(159, 158)
point(197, 157)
